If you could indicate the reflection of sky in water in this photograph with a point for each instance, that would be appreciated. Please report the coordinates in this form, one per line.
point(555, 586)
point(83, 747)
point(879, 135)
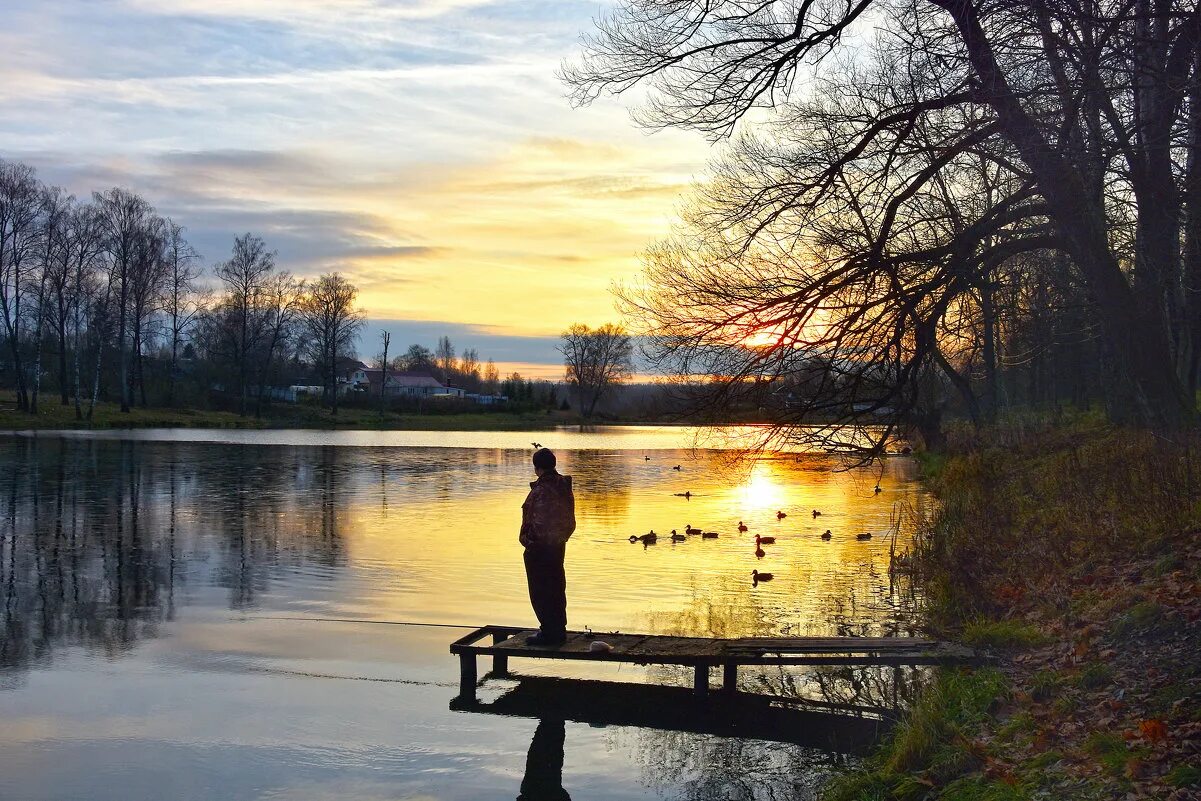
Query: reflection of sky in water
point(138, 576)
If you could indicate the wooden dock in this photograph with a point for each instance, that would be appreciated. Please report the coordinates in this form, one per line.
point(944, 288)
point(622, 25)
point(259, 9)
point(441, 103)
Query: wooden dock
point(700, 653)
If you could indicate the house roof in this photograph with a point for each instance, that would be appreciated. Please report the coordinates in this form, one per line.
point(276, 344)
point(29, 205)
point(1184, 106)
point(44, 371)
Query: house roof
point(403, 379)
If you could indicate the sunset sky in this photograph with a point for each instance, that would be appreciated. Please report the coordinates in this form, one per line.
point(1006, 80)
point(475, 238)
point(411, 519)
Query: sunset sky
point(423, 147)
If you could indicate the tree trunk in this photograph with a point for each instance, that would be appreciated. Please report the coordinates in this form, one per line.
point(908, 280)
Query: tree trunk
point(1147, 390)
point(37, 361)
point(1192, 238)
point(64, 392)
point(121, 349)
point(988, 312)
point(75, 361)
point(174, 362)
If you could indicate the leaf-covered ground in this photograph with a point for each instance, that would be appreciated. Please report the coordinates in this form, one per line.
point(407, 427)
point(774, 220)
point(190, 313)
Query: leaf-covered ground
point(1074, 554)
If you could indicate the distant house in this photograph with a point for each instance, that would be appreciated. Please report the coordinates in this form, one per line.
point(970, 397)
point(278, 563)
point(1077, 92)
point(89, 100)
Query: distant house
point(400, 384)
point(487, 400)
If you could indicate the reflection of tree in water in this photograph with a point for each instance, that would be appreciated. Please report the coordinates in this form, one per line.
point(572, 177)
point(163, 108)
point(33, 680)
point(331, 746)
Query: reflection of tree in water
point(709, 768)
point(95, 536)
point(602, 484)
point(82, 562)
point(711, 613)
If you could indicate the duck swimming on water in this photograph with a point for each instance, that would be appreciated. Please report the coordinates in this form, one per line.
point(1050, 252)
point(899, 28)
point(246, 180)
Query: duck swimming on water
point(647, 538)
point(816, 513)
point(780, 515)
point(865, 536)
point(742, 527)
point(709, 535)
point(677, 537)
point(827, 535)
point(764, 540)
point(758, 577)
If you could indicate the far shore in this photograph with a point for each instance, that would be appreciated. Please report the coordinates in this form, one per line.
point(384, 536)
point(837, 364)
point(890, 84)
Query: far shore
point(53, 415)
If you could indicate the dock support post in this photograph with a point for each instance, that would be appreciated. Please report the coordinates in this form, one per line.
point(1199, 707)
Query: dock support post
point(467, 676)
point(500, 662)
point(701, 685)
point(729, 678)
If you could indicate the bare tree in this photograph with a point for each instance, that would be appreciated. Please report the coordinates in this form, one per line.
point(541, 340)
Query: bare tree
point(53, 214)
point(85, 246)
point(417, 358)
point(19, 202)
point(491, 377)
point(386, 341)
point(241, 329)
point(148, 275)
point(1081, 105)
point(332, 324)
point(283, 300)
point(469, 366)
point(125, 217)
point(444, 357)
point(181, 302)
point(597, 359)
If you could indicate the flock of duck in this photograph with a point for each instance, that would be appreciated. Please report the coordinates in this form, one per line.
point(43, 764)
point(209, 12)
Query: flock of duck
point(757, 577)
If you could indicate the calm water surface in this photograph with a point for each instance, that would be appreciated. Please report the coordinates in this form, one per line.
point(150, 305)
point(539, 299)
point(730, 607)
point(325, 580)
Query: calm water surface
point(168, 599)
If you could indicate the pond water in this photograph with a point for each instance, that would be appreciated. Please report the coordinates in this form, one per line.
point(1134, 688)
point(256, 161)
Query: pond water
point(197, 614)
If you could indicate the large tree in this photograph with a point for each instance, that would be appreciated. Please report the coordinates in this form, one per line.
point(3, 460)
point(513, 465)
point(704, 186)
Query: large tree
point(1080, 105)
point(241, 315)
point(20, 194)
point(332, 323)
point(596, 360)
point(125, 219)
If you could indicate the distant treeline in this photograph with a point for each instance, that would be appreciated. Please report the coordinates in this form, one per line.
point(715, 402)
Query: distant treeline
point(103, 298)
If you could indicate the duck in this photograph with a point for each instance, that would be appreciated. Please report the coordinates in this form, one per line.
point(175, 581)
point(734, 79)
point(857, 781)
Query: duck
point(758, 577)
point(683, 494)
point(646, 458)
point(816, 513)
point(827, 535)
point(780, 515)
point(764, 540)
point(865, 536)
point(759, 552)
point(742, 527)
point(677, 467)
point(536, 444)
point(688, 529)
point(709, 535)
point(877, 490)
point(677, 537)
point(649, 537)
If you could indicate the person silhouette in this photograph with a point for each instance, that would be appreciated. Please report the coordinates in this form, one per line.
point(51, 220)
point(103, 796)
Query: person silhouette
point(543, 780)
point(547, 522)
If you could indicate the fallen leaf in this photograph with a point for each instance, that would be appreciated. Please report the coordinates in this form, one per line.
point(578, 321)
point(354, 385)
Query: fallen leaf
point(1154, 730)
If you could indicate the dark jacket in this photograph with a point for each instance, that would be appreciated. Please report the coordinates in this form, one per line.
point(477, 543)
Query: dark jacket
point(548, 514)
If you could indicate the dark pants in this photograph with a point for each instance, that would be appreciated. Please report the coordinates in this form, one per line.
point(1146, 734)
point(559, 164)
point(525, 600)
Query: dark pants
point(548, 587)
point(544, 764)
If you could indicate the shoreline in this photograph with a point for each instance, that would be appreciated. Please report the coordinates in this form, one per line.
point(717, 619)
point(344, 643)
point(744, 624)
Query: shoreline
point(1072, 553)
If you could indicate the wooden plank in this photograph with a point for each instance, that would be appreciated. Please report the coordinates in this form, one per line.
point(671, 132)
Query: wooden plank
point(695, 651)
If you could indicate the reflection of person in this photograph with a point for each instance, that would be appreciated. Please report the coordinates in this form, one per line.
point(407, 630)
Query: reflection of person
point(547, 521)
point(543, 779)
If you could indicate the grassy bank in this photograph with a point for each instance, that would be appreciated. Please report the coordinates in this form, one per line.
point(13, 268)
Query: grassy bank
point(51, 414)
point(1074, 553)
